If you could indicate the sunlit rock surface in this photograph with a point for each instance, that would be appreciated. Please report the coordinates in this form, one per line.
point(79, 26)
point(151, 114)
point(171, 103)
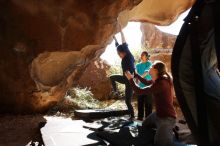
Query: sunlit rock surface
point(156, 11)
point(152, 37)
point(46, 45)
point(165, 57)
point(95, 77)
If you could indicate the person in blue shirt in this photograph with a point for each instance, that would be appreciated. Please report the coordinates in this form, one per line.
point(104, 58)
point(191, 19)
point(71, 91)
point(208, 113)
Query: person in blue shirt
point(127, 64)
point(145, 100)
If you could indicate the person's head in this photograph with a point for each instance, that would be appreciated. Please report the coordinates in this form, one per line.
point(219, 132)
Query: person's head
point(158, 70)
point(121, 51)
point(145, 56)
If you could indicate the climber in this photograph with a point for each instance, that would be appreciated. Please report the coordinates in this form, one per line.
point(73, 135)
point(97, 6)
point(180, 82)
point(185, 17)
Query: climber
point(127, 64)
point(144, 100)
point(161, 87)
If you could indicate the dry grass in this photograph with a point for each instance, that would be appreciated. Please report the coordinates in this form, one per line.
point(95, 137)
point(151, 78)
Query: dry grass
point(83, 98)
point(78, 98)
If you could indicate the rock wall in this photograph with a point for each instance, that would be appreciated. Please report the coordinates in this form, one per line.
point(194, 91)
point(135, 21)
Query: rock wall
point(95, 77)
point(160, 12)
point(46, 45)
point(164, 57)
point(152, 37)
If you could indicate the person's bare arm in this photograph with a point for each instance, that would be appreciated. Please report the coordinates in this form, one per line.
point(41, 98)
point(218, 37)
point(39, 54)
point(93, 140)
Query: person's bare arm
point(116, 41)
point(122, 35)
point(115, 38)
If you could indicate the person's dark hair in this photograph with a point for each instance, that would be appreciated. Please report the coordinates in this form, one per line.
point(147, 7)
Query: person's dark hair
point(146, 54)
point(122, 49)
point(162, 71)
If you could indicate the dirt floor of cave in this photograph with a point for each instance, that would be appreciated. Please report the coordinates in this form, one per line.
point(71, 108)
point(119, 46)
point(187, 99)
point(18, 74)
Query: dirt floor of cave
point(21, 130)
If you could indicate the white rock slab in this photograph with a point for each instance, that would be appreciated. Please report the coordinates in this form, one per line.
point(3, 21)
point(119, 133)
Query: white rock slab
point(65, 132)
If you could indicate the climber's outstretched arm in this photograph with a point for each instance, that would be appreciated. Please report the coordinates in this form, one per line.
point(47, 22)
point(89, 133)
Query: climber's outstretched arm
point(122, 35)
point(116, 41)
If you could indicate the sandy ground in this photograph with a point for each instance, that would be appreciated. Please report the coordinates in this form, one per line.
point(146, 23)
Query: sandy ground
point(21, 130)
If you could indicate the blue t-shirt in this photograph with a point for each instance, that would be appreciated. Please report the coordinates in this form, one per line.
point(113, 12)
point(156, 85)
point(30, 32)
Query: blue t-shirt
point(141, 69)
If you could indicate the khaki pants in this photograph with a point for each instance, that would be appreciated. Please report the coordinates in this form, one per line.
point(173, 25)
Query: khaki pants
point(164, 133)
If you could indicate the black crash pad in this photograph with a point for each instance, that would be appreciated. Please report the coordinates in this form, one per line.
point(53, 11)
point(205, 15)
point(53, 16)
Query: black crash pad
point(99, 113)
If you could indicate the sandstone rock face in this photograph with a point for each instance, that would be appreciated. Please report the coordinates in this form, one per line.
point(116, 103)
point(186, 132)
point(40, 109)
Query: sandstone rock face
point(45, 45)
point(55, 72)
point(95, 77)
point(152, 37)
point(159, 12)
point(160, 43)
point(164, 57)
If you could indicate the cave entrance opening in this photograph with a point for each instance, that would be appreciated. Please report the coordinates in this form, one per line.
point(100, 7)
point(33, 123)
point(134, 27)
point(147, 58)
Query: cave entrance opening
point(158, 41)
point(139, 36)
point(142, 36)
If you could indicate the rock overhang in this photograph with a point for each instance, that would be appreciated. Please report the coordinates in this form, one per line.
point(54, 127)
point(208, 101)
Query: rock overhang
point(37, 35)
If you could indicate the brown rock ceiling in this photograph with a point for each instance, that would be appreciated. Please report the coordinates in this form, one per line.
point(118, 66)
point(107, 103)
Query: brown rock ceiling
point(45, 45)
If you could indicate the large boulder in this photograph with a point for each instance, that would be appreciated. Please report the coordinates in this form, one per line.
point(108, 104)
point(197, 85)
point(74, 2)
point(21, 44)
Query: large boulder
point(45, 45)
point(164, 57)
point(95, 77)
point(152, 37)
